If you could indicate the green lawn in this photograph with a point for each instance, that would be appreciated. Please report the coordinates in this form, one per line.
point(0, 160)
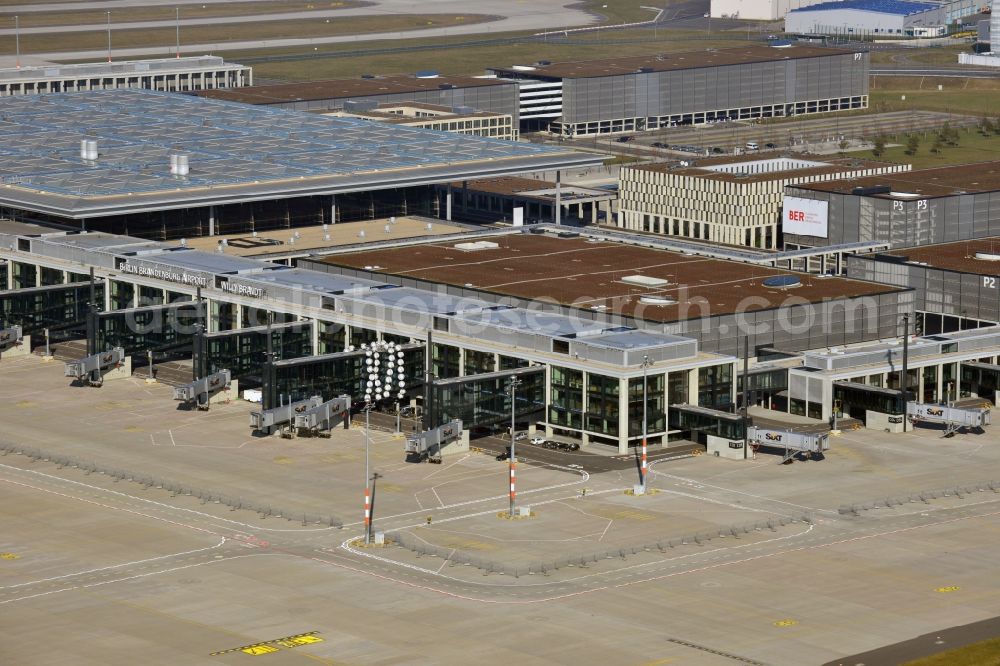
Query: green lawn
point(986, 653)
point(972, 147)
point(475, 59)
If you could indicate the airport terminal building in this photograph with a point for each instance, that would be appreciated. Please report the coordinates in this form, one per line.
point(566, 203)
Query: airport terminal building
point(594, 323)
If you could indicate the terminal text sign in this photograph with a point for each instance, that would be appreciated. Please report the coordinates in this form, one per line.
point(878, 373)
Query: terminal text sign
point(806, 217)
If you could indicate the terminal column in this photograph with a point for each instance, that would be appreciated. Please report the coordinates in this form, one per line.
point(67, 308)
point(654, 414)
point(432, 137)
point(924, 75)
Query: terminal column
point(447, 204)
point(558, 216)
point(211, 220)
point(333, 209)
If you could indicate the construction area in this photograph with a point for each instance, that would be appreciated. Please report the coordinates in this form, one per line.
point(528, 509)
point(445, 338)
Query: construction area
point(188, 537)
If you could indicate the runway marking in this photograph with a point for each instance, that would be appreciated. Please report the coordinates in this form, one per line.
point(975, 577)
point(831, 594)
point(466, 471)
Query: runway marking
point(786, 623)
point(9, 556)
point(267, 647)
point(950, 588)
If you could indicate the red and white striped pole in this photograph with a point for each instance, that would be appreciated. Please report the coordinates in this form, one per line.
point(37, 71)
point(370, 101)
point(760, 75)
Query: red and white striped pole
point(368, 515)
point(644, 468)
point(513, 492)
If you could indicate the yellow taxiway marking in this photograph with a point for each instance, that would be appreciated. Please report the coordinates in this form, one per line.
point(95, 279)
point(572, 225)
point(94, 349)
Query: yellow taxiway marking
point(9, 556)
point(786, 623)
point(950, 588)
point(267, 647)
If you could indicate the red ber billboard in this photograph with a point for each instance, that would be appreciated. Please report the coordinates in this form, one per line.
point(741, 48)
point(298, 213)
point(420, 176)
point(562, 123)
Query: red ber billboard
point(805, 217)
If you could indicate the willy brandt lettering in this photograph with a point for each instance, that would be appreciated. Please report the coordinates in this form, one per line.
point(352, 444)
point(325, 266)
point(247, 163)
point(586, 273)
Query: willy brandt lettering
point(163, 274)
point(242, 289)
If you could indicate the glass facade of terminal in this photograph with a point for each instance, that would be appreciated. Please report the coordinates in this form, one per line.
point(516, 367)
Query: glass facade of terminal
point(566, 398)
point(161, 329)
point(655, 402)
point(56, 307)
point(485, 402)
point(242, 351)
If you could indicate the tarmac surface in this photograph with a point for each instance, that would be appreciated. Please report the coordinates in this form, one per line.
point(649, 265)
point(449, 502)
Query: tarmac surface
point(120, 546)
point(511, 16)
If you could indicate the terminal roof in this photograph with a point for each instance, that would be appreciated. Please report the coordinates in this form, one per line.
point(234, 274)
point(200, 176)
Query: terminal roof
point(284, 93)
point(237, 153)
point(587, 274)
point(896, 7)
point(960, 256)
point(921, 183)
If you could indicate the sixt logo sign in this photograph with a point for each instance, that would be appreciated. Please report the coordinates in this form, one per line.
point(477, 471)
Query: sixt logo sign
point(935, 411)
point(772, 436)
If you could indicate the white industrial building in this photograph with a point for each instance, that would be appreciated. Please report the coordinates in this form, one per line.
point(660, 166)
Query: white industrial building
point(870, 18)
point(756, 10)
point(164, 74)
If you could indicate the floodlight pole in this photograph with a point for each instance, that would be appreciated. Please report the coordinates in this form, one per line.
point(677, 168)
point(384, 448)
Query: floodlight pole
point(368, 506)
point(109, 36)
point(512, 460)
point(643, 470)
point(905, 380)
point(17, 40)
point(394, 359)
point(177, 29)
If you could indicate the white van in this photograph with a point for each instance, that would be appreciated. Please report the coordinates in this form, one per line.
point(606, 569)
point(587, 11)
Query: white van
point(751, 145)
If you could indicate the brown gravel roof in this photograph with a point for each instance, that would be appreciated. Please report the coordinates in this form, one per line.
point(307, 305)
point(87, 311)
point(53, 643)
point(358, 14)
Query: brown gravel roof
point(573, 271)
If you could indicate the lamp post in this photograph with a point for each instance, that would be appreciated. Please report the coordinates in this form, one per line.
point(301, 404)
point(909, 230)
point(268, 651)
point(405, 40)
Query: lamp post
point(512, 460)
point(380, 357)
point(644, 469)
point(109, 36)
point(177, 29)
point(17, 40)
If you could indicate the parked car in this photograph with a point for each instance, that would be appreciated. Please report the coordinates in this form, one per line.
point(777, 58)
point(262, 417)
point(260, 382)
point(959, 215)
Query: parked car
point(537, 440)
point(520, 436)
point(770, 146)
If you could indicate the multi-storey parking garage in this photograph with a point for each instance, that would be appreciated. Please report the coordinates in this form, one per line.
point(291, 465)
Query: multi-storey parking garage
point(639, 93)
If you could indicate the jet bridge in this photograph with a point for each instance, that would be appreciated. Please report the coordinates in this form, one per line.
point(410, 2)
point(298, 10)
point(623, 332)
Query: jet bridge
point(954, 419)
point(793, 442)
point(200, 392)
point(430, 444)
point(269, 421)
point(94, 369)
point(322, 418)
point(13, 342)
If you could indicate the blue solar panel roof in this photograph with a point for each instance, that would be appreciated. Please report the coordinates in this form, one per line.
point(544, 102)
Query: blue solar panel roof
point(259, 150)
point(898, 7)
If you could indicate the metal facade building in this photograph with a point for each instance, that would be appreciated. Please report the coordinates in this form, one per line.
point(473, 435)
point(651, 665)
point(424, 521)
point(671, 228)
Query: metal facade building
point(165, 74)
point(918, 207)
point(955, 285)
point(649, 92)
